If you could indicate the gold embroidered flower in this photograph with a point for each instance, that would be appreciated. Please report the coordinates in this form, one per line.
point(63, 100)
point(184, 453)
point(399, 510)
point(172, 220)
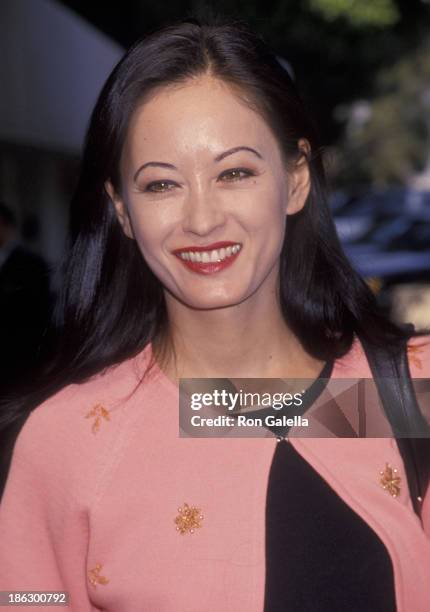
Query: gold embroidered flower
point(188, 519)
point(94, 576)
point(390, 481)
point(412, 350)
point(99, 412)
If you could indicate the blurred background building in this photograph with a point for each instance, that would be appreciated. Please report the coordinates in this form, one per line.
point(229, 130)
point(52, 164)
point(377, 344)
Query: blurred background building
point(362, 65)
point(52, 66)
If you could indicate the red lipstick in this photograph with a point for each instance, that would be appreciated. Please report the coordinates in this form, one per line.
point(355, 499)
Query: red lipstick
point(210, 267)
point(206, 247)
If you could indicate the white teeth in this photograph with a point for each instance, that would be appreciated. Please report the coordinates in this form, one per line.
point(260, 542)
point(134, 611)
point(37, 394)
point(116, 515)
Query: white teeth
point(210, 256)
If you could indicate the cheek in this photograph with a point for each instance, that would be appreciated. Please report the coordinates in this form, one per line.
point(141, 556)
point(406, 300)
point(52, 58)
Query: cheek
point(264, 212)
point(150, 230)
point(269, 227)
point(149, 219)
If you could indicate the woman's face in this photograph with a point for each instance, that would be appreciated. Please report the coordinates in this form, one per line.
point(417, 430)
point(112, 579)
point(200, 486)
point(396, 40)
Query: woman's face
point(205, 194)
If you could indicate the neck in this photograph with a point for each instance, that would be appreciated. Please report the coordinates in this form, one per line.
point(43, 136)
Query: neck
point(250, 339)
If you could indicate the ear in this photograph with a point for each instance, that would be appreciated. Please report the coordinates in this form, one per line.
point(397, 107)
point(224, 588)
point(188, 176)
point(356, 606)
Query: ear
point(299, 182)
point(121, 210)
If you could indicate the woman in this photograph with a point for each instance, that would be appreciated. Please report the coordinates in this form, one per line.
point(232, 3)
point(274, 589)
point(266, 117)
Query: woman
point(202, 247)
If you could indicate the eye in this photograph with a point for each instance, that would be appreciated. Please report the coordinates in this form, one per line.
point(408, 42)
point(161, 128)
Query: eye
point(236, 174)
point(159, 186)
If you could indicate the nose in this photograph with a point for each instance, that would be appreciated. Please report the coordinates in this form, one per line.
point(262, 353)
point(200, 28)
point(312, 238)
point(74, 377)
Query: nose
point(202, 213)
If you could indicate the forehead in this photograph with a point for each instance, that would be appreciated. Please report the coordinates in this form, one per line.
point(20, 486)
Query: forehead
point(201, 115)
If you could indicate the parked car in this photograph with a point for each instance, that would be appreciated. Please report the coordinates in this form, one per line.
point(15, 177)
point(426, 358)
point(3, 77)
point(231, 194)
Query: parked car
point(386, 234)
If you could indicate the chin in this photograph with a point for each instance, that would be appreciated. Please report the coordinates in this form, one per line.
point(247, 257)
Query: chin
point(209, 302)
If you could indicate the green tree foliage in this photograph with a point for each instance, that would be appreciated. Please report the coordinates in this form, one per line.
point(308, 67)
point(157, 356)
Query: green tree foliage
point(390, 141)
point(379, 13)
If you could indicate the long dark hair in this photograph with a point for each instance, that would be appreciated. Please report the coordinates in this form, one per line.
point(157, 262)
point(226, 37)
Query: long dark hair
point(111, 305)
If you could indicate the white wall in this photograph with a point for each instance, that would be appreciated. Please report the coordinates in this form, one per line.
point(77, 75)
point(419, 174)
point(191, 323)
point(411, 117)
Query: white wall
point(52, 66)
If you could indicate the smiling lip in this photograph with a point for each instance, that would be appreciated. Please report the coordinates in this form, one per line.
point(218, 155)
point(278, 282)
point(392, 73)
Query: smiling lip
point(207, 267)
point(207, 247)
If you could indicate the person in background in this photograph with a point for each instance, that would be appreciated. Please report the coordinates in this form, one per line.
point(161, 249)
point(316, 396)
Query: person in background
point(25, 303)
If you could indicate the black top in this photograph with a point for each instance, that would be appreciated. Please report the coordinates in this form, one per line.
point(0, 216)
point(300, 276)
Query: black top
point(320, 555)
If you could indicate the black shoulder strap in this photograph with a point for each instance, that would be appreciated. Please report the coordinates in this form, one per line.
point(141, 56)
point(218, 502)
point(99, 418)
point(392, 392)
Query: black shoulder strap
point(393, 380)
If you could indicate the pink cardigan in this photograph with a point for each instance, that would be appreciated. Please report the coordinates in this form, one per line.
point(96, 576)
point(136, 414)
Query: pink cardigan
point(98, 478)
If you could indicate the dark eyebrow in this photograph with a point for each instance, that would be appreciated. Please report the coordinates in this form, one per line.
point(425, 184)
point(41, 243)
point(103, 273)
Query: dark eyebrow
point(218, 158)
point(235, 150)
point(153, 163)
